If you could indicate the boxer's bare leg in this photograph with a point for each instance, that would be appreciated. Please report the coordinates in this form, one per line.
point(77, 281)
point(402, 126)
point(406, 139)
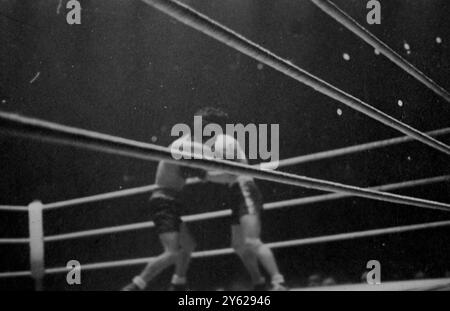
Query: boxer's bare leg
point(170, 243)
point(157, 264)
point(187, 246)
point(251, 230)
point(249, 259)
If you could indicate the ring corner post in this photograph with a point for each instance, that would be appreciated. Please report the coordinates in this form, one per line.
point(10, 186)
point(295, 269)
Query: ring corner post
point(36, 230)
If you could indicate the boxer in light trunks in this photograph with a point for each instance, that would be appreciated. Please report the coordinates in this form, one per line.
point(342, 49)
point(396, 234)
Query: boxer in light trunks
point(245, 201)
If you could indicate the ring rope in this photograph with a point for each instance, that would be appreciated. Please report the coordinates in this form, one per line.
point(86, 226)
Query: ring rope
point(60, 134)
point(335, 196)
point(226, 251)
point(347, 21)
point(213, 29)
point(347, 150)
point(12, 208)
point(100, 197)
point(14, 240)
point(14, 274)
point(332, 238)
point(281, 163)
point(224, 213)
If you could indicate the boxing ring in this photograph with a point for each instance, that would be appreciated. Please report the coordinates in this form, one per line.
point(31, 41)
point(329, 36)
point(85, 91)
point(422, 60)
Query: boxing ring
point(44, 131)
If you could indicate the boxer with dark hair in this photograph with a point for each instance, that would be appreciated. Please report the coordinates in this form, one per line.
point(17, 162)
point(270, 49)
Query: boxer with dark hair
point(167, 207)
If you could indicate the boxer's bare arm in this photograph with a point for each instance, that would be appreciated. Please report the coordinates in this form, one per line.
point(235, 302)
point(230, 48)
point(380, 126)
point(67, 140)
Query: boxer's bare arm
point(168, 175)
point(233, 152)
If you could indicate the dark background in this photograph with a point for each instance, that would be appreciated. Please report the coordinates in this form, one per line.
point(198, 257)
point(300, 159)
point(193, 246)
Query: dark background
point(128, 70)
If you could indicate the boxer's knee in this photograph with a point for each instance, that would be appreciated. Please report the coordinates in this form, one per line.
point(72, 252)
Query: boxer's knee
point(171, 255)
point(238, 247)
point(250, 246)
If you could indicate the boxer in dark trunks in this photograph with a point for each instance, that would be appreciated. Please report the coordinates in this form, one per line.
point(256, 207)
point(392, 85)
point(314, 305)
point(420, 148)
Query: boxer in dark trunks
point(167, 207)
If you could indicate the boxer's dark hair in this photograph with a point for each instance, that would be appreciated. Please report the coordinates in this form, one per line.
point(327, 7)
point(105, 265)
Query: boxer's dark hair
point(213, 115)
